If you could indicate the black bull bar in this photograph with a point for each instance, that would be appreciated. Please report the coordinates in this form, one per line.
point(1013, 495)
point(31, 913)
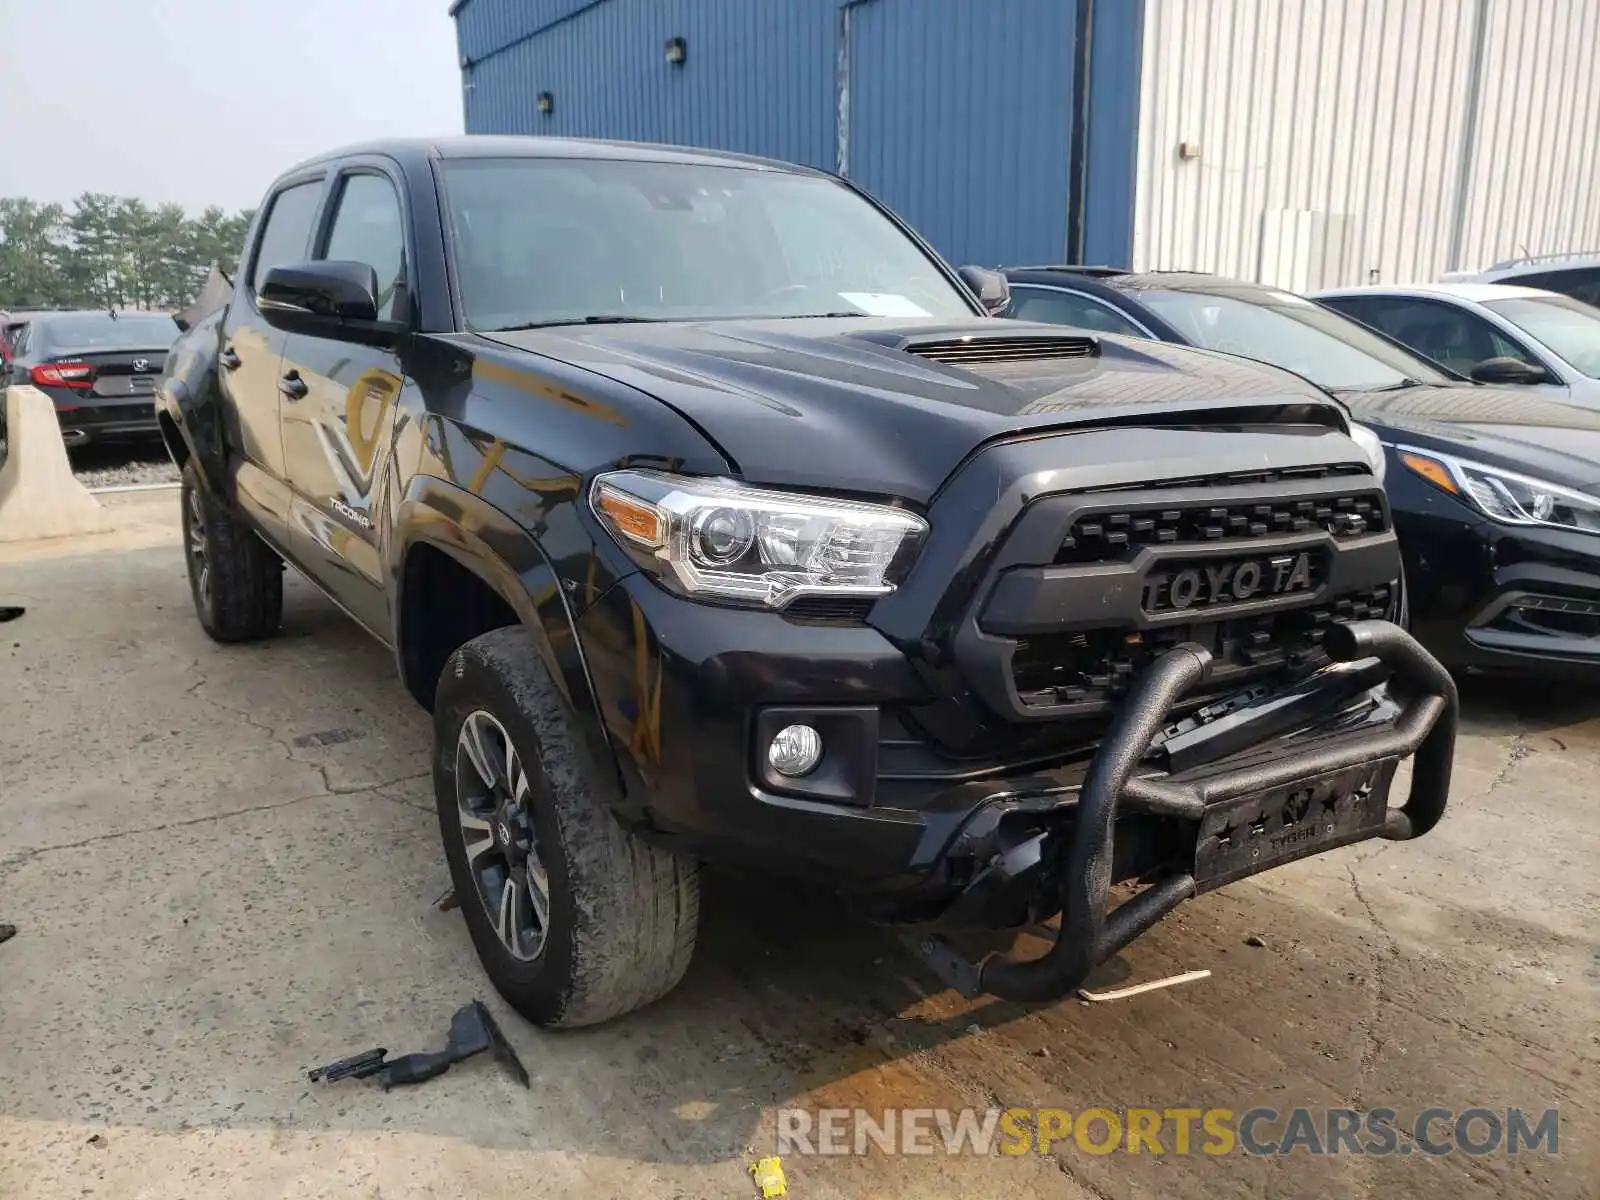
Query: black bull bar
point(1089, 933)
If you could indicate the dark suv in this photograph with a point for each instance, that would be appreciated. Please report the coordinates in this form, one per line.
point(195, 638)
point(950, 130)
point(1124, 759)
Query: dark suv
point(714, 519)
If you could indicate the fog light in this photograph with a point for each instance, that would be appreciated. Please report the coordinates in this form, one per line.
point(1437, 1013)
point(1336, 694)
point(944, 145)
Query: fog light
point(795, 751)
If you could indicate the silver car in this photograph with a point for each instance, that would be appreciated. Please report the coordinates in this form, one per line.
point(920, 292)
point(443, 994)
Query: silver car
point(1491, 332)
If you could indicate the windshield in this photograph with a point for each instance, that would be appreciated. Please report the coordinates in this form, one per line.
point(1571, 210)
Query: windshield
point(1569, 327)
point(1290, 331)
point(102, 331)
point(552, 241)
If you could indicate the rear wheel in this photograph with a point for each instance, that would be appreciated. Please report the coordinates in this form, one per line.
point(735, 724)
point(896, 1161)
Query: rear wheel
point(235, 578)
point(575, 920)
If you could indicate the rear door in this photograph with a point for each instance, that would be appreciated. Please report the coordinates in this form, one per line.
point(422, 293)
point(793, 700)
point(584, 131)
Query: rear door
point(251, 350)
point(338, 421)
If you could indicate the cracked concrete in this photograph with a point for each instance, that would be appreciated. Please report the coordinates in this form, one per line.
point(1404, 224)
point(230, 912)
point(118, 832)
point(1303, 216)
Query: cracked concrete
point(223, 862)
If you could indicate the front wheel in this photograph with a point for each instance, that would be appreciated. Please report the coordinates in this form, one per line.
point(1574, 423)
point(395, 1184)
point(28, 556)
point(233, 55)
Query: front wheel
point(234, 577)
point(575, 920)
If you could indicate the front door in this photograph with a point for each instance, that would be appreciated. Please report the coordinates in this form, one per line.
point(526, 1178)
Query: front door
point(338, 410)
point(248, 365)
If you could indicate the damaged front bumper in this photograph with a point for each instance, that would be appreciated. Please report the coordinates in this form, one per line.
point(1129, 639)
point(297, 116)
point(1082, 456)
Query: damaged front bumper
point(1239, 820)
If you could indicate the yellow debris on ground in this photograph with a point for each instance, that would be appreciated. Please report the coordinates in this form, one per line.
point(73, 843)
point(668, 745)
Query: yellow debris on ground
point(768, 1174)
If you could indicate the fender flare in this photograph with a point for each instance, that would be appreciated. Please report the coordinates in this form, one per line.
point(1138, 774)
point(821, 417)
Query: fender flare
point(486, 542)
point(172, 418)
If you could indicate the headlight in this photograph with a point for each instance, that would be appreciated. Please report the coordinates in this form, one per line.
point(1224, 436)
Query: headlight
point(1506, 496)
point(1371, 447)
point(722, 540)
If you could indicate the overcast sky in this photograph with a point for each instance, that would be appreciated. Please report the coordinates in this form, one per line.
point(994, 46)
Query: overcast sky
point(204, 101)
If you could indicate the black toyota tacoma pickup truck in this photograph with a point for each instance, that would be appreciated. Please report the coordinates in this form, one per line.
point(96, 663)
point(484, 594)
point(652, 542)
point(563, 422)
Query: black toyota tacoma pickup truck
point(715, 518)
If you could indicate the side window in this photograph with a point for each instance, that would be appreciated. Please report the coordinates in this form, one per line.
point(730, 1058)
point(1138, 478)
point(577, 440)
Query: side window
point(1581, 283)
point(367, 229)
point(19, 341)
point(287, 235)
point(1445, 333)
point(1068, 308)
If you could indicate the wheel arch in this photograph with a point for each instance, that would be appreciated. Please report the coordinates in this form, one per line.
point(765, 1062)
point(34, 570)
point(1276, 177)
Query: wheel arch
point(190, 404)
point(455, 560)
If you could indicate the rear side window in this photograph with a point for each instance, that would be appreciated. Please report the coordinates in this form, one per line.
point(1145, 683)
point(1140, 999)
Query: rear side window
point(1068, 308)
point(367, 229)
point(1581, 283)
point(287, 235)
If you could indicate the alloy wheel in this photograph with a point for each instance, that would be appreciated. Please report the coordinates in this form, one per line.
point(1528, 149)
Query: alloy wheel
point(494, 810)
point(195, 538)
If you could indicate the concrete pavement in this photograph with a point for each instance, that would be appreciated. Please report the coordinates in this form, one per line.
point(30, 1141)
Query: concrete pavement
point(222, 861)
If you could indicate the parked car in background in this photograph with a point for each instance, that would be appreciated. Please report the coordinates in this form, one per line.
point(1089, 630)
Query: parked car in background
point(98, 368)
point(1495, 491)
point(1576, 275)
point(1491, 332)
point(714, 518)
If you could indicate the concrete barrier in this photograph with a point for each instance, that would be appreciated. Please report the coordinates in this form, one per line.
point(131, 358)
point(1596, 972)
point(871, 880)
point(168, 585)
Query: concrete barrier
point(39, 498)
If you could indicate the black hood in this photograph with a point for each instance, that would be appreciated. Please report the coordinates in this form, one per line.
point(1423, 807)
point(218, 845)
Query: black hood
point(1500, 427)
point(866, 404)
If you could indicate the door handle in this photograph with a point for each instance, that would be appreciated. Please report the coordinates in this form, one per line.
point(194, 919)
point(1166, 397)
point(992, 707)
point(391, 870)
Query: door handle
point(292, 386)
point(229, 360)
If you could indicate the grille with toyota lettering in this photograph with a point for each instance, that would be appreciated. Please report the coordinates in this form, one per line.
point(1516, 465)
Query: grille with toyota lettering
point(1091, 587)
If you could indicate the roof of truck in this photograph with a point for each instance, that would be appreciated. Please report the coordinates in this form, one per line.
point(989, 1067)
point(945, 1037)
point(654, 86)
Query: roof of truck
point(464, 146)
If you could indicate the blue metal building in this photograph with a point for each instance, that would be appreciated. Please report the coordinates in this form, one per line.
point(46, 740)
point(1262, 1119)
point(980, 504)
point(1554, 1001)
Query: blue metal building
point(1003, 130)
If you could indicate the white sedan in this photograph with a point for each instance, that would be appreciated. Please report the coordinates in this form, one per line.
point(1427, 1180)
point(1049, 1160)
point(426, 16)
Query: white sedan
point(1491, 332)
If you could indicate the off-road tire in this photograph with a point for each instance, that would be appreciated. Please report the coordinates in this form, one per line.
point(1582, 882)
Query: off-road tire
point(623, 915)
point(242, 596)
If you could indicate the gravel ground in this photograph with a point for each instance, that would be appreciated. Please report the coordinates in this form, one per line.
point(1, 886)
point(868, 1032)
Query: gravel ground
point(119, 465)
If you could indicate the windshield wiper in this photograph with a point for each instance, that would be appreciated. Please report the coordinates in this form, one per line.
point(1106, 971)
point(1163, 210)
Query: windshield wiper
point(621, 319)
point(592, 319)
point(1407, 382)
point(808, 316)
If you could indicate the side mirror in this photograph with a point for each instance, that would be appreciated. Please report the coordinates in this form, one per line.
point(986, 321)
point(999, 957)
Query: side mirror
point(328, 298)
point(1505, 369)
point(990, 287)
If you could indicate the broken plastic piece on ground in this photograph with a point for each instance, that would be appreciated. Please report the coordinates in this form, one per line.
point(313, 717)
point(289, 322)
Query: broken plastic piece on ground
point(768, 1174)
point(359, 1066)
point(10, 612)
point(7, 932)
point(472, 1030)
point(1140, 988)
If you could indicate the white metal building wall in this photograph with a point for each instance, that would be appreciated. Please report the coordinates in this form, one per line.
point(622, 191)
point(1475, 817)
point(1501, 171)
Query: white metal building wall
point(1315, 143)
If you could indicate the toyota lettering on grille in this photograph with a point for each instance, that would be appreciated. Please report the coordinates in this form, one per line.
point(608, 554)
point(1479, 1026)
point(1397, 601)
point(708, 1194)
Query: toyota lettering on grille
point(1228, 582)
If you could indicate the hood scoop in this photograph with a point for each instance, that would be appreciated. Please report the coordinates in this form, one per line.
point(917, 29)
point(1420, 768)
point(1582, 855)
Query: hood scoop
point(999, 348)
